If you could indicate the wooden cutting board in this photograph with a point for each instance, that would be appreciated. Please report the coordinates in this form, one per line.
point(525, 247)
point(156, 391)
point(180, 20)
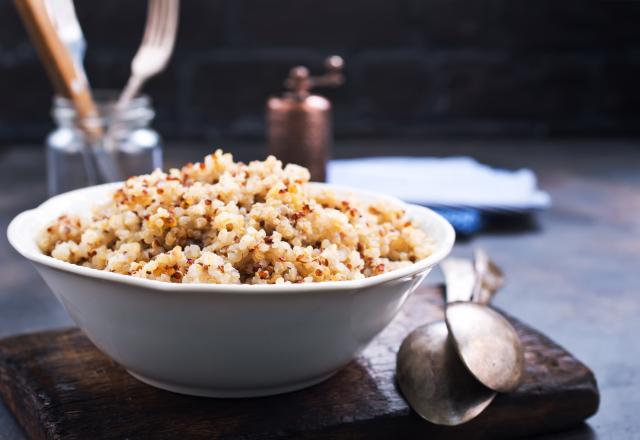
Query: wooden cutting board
point(60, 387)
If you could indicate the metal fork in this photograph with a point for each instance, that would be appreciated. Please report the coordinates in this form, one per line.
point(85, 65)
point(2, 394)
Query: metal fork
point(62, 13)
point(63, 16)
point(156, 48)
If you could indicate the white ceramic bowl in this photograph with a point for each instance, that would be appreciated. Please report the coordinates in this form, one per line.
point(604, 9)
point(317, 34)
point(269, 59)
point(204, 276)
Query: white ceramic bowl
point(225, 340)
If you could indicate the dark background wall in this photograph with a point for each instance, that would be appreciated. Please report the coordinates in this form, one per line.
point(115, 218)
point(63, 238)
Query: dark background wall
point(414, 67)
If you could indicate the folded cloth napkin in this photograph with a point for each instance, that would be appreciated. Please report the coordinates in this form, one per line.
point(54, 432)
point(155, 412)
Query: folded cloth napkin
point(459, 187)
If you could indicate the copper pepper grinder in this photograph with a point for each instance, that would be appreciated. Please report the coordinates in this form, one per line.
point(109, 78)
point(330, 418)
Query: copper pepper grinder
point(299, 123)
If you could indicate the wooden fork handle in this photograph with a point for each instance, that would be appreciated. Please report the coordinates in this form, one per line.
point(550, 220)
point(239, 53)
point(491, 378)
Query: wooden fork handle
point(57, 60)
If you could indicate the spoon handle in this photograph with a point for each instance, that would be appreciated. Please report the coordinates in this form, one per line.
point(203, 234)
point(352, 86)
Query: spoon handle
point(460, 279)
point(476, 281)
point(489, 278)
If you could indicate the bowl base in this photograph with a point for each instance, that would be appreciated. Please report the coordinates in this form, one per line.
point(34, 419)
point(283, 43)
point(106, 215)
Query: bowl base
point(230, 393)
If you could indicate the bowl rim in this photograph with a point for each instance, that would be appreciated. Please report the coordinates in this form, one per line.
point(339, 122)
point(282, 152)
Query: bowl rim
point(19, 243)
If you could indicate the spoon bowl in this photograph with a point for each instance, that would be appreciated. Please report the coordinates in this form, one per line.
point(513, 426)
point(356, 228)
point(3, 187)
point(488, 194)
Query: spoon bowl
point(487, 344)
point(434, 380)
point(449, 371)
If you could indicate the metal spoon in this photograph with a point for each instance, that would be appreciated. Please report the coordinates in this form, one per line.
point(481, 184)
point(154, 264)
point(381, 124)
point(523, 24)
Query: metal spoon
point(434, 380)
point(486, 342)
point(429, 371)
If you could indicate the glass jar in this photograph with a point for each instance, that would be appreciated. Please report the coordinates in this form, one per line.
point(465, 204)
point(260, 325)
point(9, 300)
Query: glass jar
point(118, 144)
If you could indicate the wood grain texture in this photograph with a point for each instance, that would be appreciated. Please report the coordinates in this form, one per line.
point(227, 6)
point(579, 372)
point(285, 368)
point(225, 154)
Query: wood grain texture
point(60, 386)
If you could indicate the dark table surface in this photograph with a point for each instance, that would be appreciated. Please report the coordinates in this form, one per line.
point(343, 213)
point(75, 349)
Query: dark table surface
point(574, 273)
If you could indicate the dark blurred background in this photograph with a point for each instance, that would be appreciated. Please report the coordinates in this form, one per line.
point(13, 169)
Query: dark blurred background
point(541, 84)
point(414, 67)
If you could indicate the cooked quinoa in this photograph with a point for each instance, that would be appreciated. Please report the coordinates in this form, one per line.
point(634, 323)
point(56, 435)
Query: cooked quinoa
point(220, 221)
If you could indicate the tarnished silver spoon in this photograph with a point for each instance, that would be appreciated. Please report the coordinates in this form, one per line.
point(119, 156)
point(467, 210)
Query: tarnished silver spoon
point(475, 337)
point(486, 342)
point(429, 371)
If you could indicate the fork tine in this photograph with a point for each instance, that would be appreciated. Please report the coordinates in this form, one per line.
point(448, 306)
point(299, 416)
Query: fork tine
point(150, 26)
point(160, 54)
point(169, 26)
point(173, 23)
point(170, 29)
point(163, 10)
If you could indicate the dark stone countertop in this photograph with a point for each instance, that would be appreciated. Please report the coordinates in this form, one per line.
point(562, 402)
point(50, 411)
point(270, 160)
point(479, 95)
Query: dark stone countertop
point(573, 274)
